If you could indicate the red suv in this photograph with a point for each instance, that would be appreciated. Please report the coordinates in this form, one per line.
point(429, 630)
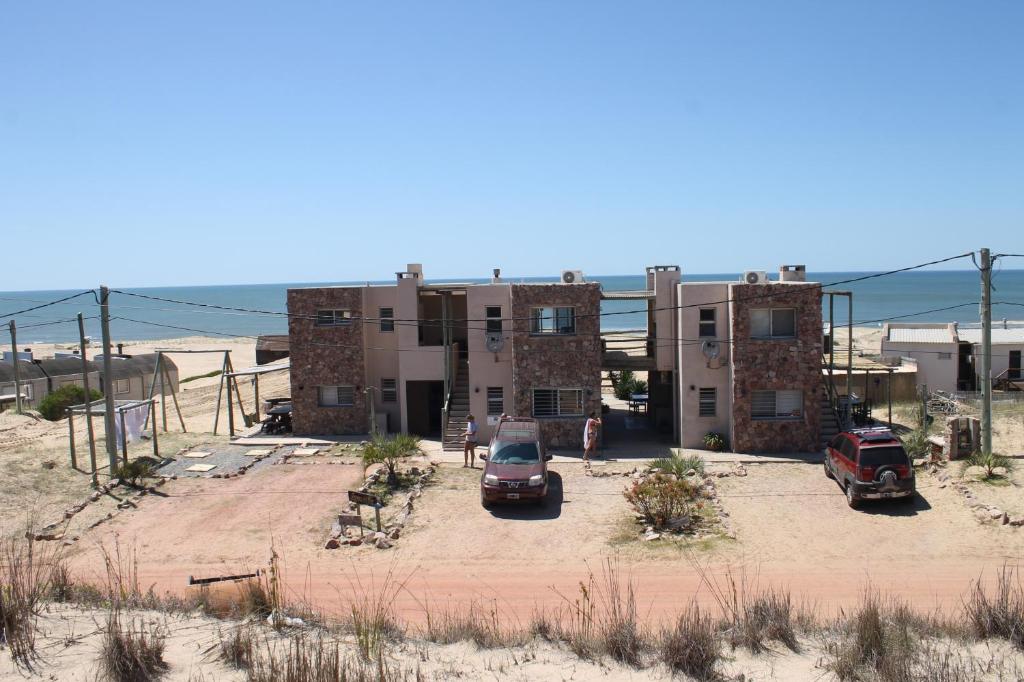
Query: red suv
point(515, 466)
point(869, 464)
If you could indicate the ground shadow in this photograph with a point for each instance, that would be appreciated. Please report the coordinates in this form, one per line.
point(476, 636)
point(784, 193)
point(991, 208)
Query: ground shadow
point(898, 507)
point(551, 509)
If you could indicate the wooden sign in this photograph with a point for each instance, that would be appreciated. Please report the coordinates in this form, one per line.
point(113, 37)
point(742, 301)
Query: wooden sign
point(369, 499)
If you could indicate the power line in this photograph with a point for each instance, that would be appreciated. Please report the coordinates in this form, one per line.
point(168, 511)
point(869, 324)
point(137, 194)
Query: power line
point(366, 320)
point(49, 303)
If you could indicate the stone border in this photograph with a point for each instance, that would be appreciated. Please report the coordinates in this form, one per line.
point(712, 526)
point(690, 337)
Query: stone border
point(984, 513)
point(49, 531)
point(392, 529)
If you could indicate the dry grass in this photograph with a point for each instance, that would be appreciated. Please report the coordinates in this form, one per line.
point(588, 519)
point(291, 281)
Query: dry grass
point(1000, 614)
point(314, 658)
point(131, 651)
point(30, 572)
point(692, 646)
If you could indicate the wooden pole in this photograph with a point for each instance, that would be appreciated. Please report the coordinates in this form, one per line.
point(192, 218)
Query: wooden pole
point(156, 446)
point(888, 387)
point(256, 393)
point(71, 439)
point(231, 412)
point(163, 392)
point(88, 399)
point(238, 393)
point(152, 391)
point(220, 392)
point(174, 397)
point(17, 370)
point(108, 380)
point(124, 436)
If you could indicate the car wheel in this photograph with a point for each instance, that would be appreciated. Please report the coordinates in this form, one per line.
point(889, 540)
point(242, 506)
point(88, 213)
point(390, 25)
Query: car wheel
point(851, 498)
point(483, 502)
point(828, 472)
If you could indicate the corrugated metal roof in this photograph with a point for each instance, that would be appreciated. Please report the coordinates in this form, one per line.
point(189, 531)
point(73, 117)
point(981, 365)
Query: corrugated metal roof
point(920, 335)
point(999, 336)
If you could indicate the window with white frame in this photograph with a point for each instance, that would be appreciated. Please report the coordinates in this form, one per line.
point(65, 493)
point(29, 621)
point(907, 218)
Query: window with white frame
point(786, 404)
point(707, 322)
point(493, 314)
point(333, 318)
point(773, 323)
point(557, 402)
point(122, 386)
point(387, 319)
point(336, 396)
point(388, 390)
point(707, 402)
point(495, 401)
point(553, 320)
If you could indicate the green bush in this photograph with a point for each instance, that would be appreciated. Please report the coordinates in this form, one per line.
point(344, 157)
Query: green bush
point(136, 471)
point(661, 498)
point(677, 465)
point(715, 442)
point(625, 383)
point(389, 451)
point(54, 405)
point(989, 462)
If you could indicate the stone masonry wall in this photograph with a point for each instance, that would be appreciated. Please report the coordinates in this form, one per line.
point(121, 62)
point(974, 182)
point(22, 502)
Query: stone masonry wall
point(557, 361)
point(776, 364)
point(326, 356)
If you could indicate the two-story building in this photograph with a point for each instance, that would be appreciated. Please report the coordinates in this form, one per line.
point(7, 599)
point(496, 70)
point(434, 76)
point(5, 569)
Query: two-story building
point(740, 358)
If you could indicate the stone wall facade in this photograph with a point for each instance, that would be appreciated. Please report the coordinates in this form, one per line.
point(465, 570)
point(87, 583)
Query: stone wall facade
point(557, 361)
point(326, 356)
point(776, 364)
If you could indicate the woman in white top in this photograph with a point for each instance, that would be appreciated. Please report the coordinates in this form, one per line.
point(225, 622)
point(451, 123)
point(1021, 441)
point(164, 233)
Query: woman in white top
point(469, 449)
point(590, 436)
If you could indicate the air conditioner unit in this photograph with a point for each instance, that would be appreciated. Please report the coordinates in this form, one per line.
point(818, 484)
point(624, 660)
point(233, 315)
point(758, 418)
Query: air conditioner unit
point(755, 277)
point(572, 276)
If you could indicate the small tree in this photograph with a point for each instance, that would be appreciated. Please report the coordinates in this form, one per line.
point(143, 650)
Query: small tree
point(389, 451)
point(54, 405)
point(661, 498)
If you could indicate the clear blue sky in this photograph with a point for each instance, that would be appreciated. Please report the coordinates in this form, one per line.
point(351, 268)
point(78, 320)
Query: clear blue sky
point(214, 142)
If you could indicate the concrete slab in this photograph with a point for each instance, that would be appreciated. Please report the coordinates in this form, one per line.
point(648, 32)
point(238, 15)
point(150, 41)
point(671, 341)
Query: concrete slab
point(290, 440)
point(197, 454)
point(201, 468)
point(227, 458)
point(305, 452)
point(258, 452)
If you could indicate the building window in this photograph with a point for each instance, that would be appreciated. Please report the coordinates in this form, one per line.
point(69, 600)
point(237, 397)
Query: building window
point(493, 313)
point(773, 323)
point(333, 318)
point(336, 396)
point(553, 320)
point(945, 356)
point(707, 322)
point(557, 402)
point(708, 401)
point(387, 319)
point(122, 386)
point(388, 391)
point(495, 401)
point(776, 404)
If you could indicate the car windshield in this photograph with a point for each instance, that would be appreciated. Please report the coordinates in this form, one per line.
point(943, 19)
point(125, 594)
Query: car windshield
point(503, 452)
point(877, 457)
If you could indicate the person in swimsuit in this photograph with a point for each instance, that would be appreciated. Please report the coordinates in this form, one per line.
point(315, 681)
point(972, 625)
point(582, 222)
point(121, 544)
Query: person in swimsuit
point(590, 436)
point(469, 449)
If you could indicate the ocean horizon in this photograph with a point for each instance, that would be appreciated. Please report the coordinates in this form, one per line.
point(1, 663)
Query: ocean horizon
point(902, 297)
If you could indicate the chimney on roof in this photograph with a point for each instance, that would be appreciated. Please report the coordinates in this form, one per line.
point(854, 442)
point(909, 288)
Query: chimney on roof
point(792, 273)
point(120, 349)
point(497, 276)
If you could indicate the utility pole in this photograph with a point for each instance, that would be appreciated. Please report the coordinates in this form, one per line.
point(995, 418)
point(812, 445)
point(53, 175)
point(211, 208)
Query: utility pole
point(88, 399)
point(108, 388)
point(986, 352)
point(17, 370)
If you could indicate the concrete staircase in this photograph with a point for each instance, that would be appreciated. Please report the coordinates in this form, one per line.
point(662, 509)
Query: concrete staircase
point(829, 423)
point(458, 410)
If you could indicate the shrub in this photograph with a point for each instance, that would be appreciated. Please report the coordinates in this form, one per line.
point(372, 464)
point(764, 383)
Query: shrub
point(136, 471)
point(54, 405)
point(622, 383)
point(916, 443)
point(389, 451)
point(715, 442)
point(26, 579)
point(679, 465)
point(1000, 614)
point(661, 498)
point(989, 461)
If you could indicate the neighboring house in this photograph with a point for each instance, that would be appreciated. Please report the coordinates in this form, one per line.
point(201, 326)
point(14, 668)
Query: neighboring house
point(67, 371)
point(737, 358)
point(132, 375)
point(33, 383)
point(948, 356)
point(271, 348)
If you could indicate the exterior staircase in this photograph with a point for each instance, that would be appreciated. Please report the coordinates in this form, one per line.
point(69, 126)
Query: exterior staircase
point(458, 410)
point(829, 423)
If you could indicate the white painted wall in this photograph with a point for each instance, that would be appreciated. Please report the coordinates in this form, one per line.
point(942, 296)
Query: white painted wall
point(694, 368)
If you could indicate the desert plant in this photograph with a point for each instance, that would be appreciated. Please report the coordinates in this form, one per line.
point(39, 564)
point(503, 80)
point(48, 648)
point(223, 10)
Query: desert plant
point(238, 648)
point(989, 461)
point(136, 471)
point(131, 652)
point(1000, 614)
point(691, 646)
point(661, 498)
point(679, 465)
point(715, 442)
point(26, 578)
point(478, 624)
point(54, 405)
point(390, 451)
